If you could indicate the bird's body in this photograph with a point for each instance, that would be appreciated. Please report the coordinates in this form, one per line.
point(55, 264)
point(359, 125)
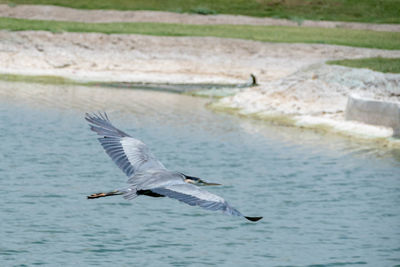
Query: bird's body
point(148, 176)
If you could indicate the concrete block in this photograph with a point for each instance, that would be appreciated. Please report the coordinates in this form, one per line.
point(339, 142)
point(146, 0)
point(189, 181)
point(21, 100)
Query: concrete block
point(374, 112)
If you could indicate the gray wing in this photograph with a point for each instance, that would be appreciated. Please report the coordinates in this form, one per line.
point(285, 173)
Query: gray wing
point(130, 154)
point(194, 196)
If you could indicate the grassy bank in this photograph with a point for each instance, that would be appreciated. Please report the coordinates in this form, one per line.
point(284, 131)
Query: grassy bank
point(43, 79)
point(194, 89)
point(386, 11)
point(391, 65)
point(338, 36)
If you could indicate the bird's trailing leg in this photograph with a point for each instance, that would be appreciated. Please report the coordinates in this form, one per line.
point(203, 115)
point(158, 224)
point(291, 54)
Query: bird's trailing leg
point(98, 195)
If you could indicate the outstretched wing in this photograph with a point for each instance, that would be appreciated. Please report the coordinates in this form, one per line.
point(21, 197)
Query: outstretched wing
point(194, 196)
point(130, 154)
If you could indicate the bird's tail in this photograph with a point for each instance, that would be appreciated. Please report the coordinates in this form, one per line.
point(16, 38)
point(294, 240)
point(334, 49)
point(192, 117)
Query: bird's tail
point(98, 195)
point(253, 219)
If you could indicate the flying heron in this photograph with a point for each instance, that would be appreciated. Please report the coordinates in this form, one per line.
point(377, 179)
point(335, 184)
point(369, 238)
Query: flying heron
point(148, 176)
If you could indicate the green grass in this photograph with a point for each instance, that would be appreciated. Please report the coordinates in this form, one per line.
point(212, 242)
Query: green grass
point(379, 11)
point(38, 79)
point(190, 89)
point(391, 65)
point(338, 36)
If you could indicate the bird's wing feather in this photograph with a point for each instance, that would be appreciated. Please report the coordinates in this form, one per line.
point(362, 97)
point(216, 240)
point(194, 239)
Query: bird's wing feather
point(194, 196)
point(130, 154)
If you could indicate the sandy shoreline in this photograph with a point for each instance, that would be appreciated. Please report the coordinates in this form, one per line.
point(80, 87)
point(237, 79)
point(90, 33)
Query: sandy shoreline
point(293, 79)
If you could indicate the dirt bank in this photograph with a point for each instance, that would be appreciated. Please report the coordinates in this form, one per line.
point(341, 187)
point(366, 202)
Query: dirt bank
point(117, 57)
point(69, 14)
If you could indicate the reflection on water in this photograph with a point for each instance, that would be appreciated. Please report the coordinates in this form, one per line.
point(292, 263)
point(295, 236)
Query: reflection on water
point(324, 199)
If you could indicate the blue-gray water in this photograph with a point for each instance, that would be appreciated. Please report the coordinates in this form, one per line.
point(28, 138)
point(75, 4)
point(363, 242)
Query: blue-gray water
point(325, 200)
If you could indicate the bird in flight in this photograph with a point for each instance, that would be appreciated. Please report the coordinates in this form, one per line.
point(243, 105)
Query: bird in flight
point(148, 176)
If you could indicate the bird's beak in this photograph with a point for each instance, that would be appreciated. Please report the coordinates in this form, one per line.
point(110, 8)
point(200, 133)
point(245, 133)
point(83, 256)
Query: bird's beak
point(199, 182)
point(205, 183)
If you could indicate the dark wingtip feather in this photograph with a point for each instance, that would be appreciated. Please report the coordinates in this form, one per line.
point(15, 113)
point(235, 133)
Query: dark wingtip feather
point(95, 117)
point(101, 124)
point(253, 219)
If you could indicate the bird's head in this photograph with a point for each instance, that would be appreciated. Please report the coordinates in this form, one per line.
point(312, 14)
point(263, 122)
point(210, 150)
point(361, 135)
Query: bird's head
point(197, 181)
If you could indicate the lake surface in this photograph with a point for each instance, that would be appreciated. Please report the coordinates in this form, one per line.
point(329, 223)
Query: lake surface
point(326, 201)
